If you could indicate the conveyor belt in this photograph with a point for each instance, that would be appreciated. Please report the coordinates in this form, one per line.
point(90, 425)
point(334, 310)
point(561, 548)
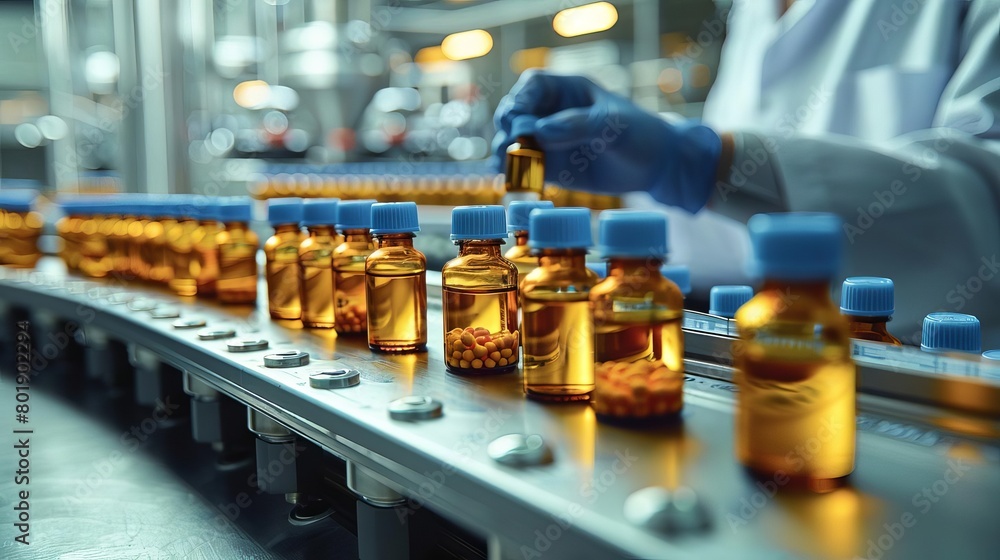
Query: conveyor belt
point(575, 506)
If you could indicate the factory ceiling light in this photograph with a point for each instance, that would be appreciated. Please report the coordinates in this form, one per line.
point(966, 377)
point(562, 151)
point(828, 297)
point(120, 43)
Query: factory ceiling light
point(581, 20)
point(467, 44)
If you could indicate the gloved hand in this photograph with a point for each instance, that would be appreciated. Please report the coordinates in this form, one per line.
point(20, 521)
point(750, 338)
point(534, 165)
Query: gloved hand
point(598, 141)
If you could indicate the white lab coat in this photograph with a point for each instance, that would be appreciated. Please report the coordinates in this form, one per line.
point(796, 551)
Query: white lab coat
point(886, 112)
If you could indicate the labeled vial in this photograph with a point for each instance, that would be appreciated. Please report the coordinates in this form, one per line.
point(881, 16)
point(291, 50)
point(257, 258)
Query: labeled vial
point(556, 329)
point(524, 178)
point(180, 243)
point(724, 301)
point(479, 295)
point(206, 247)
point(517, 223)
point(793, 361)
point(637, 313)
point(951, 332)
point(20, 228)
point(354, 220)
point(238, 244)
point(319, 216)
point(396, 281)
point(281, 253)
point(868, 303)
point(679, 274)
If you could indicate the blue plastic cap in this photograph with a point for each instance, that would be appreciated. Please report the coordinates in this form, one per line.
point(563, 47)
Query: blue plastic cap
point(17, 200)
point(282, 211)
point(725, 300)
point(320, 212)
point(355, 214)
point(233, 209)
point(679, 274)
point(992, 355)
point(600, 269)
point(519, 210)
point(632, 234)
point(478, 222)
point(523, 125)
point(951, 332)
point(559, 228)
point(394, 217)
point(797, 245)
point(867, 296)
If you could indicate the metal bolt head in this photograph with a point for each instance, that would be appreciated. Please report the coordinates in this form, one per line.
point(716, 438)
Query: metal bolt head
point(215, 334)
point(165, 312)
point(247, 345)
point(415, 408)
point(667, 511)
point(141, 304)
point(334, 379)
point(189, 323)
point(520, 450)
point(286, 359)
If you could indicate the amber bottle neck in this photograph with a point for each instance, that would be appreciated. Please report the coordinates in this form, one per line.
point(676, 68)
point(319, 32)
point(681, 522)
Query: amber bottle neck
point(286, 228)
point(236, 225)
point(320, 231)
point(521, 238)
point(395, 240)
point(632, 267)
point(357, 236)
point(489, 247)
point(569, 258)
point(873, 321)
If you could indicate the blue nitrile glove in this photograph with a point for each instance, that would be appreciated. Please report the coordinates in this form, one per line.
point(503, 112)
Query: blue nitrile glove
point(597, 141)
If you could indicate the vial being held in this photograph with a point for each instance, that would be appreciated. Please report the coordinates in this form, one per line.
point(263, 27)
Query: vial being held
point(556, 330)
point(868, 303)
point(350, 306)
point(396, 281)
point(795, 413)
point(479, 297)
point(637, 313)
point(281, 252)
point(524, 176)
point(315, 260)
point(238, 244)
point(517, 223)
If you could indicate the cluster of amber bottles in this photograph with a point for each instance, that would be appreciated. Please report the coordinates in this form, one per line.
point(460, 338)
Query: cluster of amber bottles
point(196, 245)
point(20, 228)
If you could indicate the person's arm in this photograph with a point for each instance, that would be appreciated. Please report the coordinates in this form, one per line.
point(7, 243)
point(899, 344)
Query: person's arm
point(923, 208)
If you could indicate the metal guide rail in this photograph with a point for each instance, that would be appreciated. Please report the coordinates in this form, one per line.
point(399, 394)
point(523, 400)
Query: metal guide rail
point(928, 461)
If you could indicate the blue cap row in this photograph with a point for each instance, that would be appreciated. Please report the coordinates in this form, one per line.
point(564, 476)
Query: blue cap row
point(951, 332)
point(559, 228)
point(478, 222)
point(796, 246)
point(394, 217)
point(867, 296)
point(519, 210)
point(17, 200)
point(632, 234)
point(281, 211)
point(724, 301)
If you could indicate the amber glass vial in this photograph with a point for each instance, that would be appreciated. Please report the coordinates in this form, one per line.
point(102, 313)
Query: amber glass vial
point(479, 298)
point(117, 237)
point(95, 260)
point(138, 264)
point(180, 245)
point(161, 267)
point(795, 414)
point(524, 175)
point(517, 224)
point(206, 248)
point(319, 216)
point(238, 246)
point(281, 253)
point(556, 330)
point(20, 228)
point(638, 344)
point(396, 281)
point(354, 220)
point(868, 303)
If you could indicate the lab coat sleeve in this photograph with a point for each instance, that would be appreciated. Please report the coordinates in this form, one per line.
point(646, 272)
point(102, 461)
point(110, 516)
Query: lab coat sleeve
point(922, 209)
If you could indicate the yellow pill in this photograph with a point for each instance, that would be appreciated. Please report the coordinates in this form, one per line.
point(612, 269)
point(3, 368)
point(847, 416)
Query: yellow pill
point(480, 331)
point(477, 364)
point(468, 339)
point(456, 355)
point(491, 347)
point(468, 356)
point(463, 364)
point(490, 363)
point(506, 353)
point(502, 362)
point(500, 342)
point(455, 332)
point(458, 346)
point(479, 351)
point(495, 356)
point(452, 362)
